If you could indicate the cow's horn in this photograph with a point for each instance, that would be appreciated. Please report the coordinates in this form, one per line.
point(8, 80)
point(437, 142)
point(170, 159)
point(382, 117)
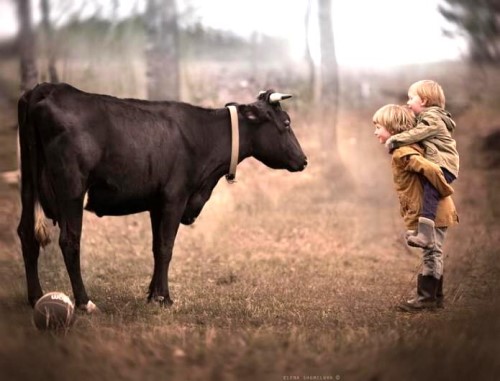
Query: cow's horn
point(276, 97)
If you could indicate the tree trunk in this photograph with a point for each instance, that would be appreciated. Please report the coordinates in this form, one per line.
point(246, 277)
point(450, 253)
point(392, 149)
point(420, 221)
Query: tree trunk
point(312, 85)
point(329, 89)
point(49, 42)
point(26, 44)
point(329, 66)
point(162, 53)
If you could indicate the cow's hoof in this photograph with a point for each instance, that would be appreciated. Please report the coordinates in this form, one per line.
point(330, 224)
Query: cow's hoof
point(89, 308)
point(161, 300)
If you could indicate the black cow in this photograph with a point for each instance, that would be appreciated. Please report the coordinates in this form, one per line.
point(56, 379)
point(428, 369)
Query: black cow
point(132, 156)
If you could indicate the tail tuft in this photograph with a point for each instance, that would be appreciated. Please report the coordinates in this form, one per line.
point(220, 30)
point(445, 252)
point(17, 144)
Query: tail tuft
point(42, 232)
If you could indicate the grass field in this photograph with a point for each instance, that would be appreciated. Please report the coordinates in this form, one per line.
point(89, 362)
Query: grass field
point(283, 277)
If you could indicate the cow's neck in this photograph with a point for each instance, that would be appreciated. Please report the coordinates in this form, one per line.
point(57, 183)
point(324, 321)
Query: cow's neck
point(217, 149)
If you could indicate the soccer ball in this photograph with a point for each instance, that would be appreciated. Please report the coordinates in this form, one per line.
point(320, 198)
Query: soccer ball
point(53, 310)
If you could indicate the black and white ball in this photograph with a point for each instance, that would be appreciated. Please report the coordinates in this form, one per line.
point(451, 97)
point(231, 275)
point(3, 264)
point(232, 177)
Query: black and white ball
point(53, 310)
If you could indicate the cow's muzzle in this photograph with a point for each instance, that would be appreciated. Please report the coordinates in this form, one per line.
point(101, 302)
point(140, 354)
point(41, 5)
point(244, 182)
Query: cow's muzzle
point(302, 164)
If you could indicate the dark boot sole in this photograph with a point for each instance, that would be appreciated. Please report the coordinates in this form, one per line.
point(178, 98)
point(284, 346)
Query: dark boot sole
point(404, 307)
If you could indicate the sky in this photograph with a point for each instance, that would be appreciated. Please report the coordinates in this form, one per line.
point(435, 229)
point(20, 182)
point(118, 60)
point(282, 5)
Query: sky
point(367, 32)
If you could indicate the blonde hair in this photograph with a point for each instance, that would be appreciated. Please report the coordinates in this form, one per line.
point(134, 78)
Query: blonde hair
point(394, 118)
point(430, 91)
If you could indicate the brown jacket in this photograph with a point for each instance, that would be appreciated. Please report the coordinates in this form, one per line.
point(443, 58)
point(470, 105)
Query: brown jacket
point(407, 163)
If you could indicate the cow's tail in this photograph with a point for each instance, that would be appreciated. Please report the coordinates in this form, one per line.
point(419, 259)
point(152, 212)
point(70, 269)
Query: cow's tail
point(30, 175)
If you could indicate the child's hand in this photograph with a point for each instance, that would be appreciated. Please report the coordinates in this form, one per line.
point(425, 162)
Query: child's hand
point(390, 145)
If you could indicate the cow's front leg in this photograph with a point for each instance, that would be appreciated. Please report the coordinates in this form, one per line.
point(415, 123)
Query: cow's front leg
point(165, 222)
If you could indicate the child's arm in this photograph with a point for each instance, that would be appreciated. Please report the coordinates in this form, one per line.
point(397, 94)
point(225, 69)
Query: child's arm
point(419, 164)
point(427, 128)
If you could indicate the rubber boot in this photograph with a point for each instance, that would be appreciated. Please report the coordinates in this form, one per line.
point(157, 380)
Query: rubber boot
point(427, 287)
point(426, 237)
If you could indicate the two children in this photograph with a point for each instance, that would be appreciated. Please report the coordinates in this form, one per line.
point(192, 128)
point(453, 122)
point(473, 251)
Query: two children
point(422, 183)
point(433, 130)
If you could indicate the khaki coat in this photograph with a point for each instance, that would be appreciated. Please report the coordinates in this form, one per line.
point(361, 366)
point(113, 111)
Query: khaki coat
point(407, 163)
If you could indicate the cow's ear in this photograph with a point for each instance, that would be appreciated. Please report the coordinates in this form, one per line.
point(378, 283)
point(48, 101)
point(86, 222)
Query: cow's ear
point(251, 113)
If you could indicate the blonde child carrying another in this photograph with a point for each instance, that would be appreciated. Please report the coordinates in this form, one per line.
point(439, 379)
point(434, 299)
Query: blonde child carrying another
point(433, 130)
point(408, 165)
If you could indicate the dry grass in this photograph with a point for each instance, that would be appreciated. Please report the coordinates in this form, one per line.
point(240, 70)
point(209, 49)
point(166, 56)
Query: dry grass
point(283, 275)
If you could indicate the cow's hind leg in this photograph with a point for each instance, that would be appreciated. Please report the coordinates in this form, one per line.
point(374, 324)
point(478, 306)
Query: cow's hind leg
point(69, 240)
point(29, 244)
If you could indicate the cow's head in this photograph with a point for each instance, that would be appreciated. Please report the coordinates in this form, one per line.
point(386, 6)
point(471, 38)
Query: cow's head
point(273, 141)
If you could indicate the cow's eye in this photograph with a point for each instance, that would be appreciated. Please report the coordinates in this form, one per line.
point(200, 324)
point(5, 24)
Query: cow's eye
point(287, 124)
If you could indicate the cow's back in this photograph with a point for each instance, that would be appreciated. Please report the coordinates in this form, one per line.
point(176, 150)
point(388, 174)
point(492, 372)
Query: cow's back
point(100, 129)
point(121, 150)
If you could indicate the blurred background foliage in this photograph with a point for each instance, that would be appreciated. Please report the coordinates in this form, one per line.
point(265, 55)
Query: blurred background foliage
point(142, 46)
point(165, 50)
point(85, 35)
point(479, 23)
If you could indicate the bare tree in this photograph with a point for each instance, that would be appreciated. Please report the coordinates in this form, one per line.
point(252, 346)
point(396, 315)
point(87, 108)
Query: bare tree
point(49, 41)
point(26, 44)
point(163, 50)
point(312, 70)
point(329, 88)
